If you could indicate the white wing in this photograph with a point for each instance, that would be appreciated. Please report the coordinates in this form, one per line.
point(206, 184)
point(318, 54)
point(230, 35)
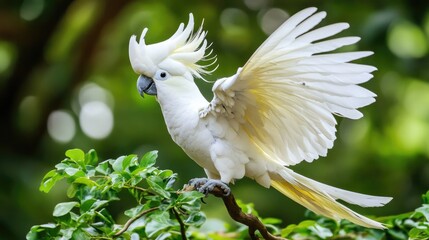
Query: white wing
point(286, 94)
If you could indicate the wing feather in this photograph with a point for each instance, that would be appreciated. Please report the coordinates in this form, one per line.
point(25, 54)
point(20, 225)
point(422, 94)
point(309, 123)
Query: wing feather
point(286, 27)
point(323, 32)
point(286, 95)
point(303, 27)
point(335, 58)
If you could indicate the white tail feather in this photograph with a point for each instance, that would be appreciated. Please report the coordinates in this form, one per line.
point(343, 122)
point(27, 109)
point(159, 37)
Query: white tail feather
point(355, 198)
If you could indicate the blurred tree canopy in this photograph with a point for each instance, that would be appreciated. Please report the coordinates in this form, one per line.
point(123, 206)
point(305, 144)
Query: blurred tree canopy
point(66, 82)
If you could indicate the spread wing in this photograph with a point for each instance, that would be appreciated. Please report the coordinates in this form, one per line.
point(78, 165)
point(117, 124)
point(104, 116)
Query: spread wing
point(285, 96)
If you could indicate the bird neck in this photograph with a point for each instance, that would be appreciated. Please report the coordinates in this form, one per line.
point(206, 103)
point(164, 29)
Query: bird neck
point(179, 96)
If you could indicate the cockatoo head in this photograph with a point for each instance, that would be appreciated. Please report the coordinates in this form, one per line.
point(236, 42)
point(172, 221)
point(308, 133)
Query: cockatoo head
point(174, 57)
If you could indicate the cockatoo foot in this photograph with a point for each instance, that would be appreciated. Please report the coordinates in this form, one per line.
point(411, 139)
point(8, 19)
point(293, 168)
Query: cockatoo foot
point(205, 185)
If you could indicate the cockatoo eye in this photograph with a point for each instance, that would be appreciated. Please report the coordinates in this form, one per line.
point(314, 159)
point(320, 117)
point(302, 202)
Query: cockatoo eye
point(161, 75)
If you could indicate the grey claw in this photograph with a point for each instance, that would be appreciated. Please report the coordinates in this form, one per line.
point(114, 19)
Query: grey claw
point(197, 182)
point(205, 186)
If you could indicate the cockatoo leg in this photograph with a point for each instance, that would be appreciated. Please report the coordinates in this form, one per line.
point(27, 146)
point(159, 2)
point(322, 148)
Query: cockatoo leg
point(206, 185)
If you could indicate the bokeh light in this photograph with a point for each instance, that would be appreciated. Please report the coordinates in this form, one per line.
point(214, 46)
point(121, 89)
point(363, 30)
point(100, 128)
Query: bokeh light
point(407, 40)
point(29, 114)
point(61, 126)
point(93, 92)
point(233, 18)
point(6, 56)
point(95, 111)
point(96, 119)
point(31, 9)
point(256, 4)
point(272, 19)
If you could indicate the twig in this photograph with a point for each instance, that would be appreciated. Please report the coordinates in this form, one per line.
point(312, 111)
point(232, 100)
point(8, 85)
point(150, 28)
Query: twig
point(131, 220)
point(238, 215)
point(182, 225)
point(139, 189)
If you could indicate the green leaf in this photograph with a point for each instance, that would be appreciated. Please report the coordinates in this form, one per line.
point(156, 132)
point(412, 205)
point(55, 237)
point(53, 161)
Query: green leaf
point(62, 209)
point(271, 221)
point(320, 231)
point(80, 234)
point(396, 234)
point(62, 165)
point(165, 174)
point(91, 158)
point(134, 211)
point(164, 235)
point(48, 225)
point(67, 233)
point(117, 164)
point(76, 155)
point(139, 226)
point(72, 190)
point(39, 231)
point(171, 180)
point(127, 161)
point(157, 188)
point(32, 235)
point(196, 219)
point(425, 198)
point(49, 181)
point(189, 201)
point(86, 181)
point(103, 168)
point(118, 181)
point(424, 210)
point(74, 172)
point(288, 230)
point(136, 179)
point(189, 197)
point(306, 223)
point(149, 159)
point(87, 204)
point(84, 218)
point(160, 221)
point(248, 208)
point(105, 216)
point(419, 233)
point(99, 203)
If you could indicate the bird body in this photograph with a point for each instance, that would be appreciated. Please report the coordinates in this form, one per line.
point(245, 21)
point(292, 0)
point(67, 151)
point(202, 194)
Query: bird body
point(274, 112)
point(202, 138)
point(187, 130)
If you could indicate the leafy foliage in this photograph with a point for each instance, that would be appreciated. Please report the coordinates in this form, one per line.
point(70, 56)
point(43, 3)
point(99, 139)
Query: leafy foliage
point(413, 225)
point(160, 212)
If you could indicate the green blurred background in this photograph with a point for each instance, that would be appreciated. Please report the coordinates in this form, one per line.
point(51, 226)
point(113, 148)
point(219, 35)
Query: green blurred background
point(66, 82)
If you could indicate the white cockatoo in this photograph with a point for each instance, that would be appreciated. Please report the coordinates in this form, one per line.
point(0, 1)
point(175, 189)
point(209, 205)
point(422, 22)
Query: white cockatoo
point(276, 111)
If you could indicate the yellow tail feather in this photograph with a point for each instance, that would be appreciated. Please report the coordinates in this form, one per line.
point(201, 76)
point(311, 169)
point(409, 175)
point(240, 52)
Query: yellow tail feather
point(317, 200)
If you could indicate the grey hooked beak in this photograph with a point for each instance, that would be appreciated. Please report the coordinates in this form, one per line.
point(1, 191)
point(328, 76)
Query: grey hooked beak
point(146, 85)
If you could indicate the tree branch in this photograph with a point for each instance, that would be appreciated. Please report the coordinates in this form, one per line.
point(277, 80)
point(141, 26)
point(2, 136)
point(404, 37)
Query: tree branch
point(182, 225)
point(238, 215)
point(131, 220)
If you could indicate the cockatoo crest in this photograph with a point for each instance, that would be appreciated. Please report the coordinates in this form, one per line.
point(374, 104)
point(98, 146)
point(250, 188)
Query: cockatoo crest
point(177, 55)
